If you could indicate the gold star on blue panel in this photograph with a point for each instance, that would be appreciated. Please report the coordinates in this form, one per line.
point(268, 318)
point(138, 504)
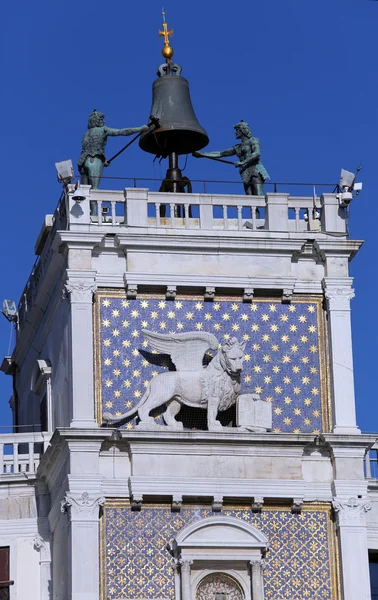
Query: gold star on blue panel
point(137, 563)
point(282, 362)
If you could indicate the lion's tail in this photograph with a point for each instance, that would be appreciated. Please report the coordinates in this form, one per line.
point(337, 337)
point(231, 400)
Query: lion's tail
point(116, 419)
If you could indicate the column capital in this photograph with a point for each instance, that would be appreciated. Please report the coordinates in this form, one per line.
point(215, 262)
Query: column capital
point(82, 508)
point(80, 291)
point(185, 565)
point(257, 563)
point(80, 286)
point(351, 513)
point(338, 294)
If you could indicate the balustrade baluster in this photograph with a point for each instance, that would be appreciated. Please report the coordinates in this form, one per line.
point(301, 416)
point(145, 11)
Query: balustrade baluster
point(240, 224)
point(15, 457)
point(172, 207)
point(186, 208)
point(254, 225)
point(113, 209)
point(225, 217)
point(31, 457)
point(157, 208)
point(99, 212)
point(297, 222)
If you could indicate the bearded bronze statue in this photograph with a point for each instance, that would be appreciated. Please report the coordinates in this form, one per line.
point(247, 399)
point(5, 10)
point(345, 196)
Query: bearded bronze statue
point(252, 171)
point(92, 159)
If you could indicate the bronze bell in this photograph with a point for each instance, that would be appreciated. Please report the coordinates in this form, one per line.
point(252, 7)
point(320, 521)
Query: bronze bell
point(179, 131)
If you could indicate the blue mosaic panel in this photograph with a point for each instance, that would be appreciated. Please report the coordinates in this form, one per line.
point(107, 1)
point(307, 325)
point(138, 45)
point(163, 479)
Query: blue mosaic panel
point(282, 359)
point(136, 562)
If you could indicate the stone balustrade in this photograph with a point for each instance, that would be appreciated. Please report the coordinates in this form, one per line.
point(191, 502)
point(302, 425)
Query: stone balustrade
point(21, 452)
point(138, 207)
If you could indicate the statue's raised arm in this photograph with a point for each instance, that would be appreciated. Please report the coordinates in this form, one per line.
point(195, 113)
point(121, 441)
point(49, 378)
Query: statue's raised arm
point(228, 152)
point(92, 159)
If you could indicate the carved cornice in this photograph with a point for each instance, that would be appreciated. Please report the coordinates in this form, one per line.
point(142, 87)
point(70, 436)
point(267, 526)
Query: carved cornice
point(82, 508)
point(351, 512)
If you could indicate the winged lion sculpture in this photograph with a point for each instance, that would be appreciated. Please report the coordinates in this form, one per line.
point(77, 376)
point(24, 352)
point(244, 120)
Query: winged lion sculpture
point(215, 387)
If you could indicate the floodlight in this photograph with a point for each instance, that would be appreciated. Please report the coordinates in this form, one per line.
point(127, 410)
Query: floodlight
point(65, 171)
point(357, 186)
point(346, 179)
point(10, 310)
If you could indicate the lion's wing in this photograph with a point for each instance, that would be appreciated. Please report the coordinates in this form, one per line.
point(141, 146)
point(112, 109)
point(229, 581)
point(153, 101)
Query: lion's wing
point(186, 349)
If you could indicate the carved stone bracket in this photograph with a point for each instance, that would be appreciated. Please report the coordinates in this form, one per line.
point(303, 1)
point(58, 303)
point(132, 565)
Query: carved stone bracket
point(176, 503)
point(217, 503)
point(171, 292)
point(296, 507)
point(80, 290)
point(248, 295)
point(43, 547)
point(131, 291)
point(209, 294)
point(136, 502)
point(287, 295)
point(257, 504)
point(82, 508)
point(351, 512)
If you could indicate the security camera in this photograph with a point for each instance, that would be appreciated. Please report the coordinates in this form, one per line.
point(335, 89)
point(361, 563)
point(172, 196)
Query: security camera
point(349, 188)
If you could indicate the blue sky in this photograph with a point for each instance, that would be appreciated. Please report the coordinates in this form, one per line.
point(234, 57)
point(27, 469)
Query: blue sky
point(303, 74)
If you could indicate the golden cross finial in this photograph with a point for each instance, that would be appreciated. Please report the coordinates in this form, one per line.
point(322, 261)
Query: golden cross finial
point(166, 33)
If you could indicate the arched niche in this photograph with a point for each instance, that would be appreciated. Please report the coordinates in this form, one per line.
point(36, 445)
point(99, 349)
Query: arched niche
point(220, 545)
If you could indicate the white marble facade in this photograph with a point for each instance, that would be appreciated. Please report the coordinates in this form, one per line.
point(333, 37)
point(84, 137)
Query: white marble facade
point(52, 497)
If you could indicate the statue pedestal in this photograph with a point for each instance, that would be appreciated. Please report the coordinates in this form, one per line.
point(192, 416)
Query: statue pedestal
point(253, 413)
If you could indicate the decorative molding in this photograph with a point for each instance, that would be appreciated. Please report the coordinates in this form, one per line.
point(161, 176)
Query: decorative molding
point(248, 295)
point(204, 487)
point(80, 290)
point(351, 512)
point(250, 283)
point(82, 508)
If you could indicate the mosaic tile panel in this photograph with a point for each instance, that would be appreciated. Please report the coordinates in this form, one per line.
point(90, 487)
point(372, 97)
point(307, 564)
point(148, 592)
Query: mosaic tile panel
point(136, 563)
point(283, 357)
